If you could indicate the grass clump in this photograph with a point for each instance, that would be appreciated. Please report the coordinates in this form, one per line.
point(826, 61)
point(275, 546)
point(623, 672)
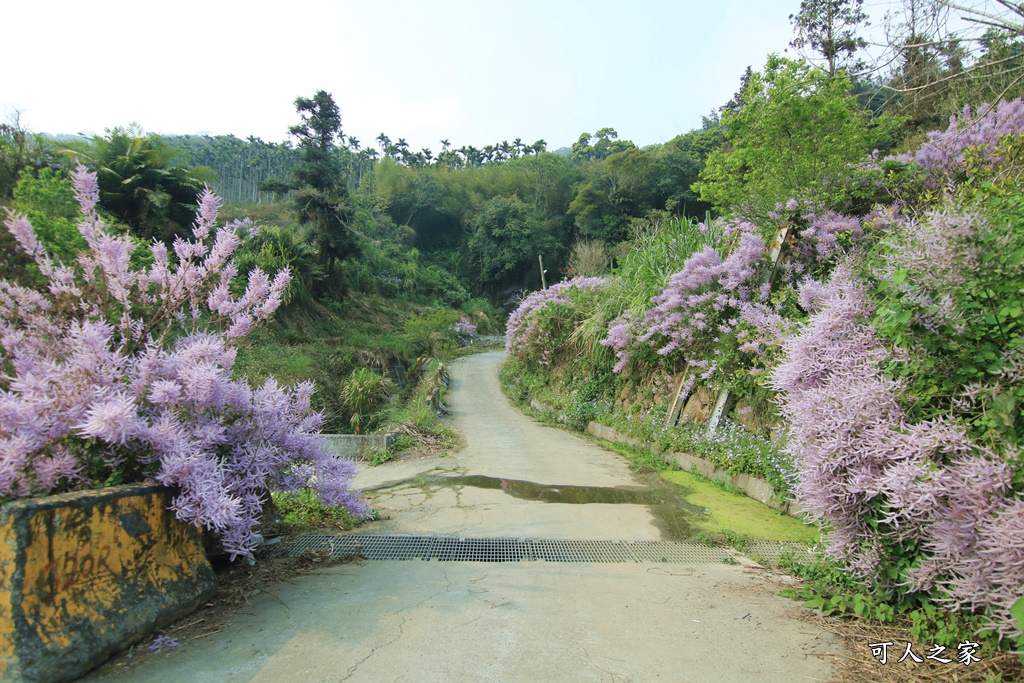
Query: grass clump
point(302, 511)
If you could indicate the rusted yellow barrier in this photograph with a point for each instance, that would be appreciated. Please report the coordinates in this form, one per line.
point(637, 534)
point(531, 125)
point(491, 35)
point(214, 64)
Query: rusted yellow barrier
point(83, 575)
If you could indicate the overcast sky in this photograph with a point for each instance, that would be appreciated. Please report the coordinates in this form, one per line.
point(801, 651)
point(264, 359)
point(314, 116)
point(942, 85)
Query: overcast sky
point(475, 72)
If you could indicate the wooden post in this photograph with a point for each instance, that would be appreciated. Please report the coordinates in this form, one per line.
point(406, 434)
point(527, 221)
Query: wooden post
point(775, 252)
point(543, 284)
point(677, 401)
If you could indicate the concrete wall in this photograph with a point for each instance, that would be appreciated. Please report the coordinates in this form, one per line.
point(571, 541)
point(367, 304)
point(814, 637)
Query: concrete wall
point(754, 487)
point(84, 575)
point(356, 446)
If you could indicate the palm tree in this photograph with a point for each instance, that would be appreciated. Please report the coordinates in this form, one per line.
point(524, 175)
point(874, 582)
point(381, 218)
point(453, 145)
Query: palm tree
point(402, 150)
point(144, 183)
point(505, 149)
point(385, 142)
point(474, 157)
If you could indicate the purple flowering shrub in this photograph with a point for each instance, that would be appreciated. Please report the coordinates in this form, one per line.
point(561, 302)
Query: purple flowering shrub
point(945, 152)
point(970, 147)
point(697, 311)
point(113, 374)
point(891, 423)
point(818, 238)
point(465, 330)
point(950, 294)
point(531, 329)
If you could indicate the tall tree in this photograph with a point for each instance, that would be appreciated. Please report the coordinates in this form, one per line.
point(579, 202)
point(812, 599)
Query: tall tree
point(948, 54)
point(507, 234)
point(598, 146)
point(794, 137)
point(829, 27)
point(321, 195)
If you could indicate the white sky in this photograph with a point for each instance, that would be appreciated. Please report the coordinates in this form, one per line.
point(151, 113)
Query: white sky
point(473, 72)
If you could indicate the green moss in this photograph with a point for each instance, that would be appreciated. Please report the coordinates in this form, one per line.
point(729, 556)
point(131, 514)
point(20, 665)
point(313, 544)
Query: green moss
point(732, 512)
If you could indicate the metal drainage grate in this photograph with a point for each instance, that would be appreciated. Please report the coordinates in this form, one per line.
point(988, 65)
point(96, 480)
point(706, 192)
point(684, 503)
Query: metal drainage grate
point(771, 552)
point(454, 549)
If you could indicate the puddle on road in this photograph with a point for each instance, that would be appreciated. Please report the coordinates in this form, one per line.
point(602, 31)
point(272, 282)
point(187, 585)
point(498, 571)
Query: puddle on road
point(675, 517)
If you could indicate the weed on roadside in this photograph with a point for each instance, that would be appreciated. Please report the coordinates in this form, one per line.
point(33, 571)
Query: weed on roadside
point(302, 511)
point(850, 610)
point(379, 456)
point(640, 460)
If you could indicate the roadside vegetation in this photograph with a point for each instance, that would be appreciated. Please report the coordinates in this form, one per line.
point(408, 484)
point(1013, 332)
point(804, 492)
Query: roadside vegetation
point(829, 270)
point(853, 307)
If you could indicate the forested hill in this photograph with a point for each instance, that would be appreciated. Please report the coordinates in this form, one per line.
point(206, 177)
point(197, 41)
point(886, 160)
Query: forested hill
point(485, 213)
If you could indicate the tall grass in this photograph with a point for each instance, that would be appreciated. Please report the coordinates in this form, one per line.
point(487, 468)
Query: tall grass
point(656, 251)
point(362, 392)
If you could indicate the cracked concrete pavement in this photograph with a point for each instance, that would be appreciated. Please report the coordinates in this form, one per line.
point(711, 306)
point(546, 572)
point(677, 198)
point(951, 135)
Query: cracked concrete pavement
point(529, 621)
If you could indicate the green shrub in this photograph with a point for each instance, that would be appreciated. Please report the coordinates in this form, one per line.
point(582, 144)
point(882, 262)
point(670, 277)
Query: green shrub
point(302, 511)
point(362, 393)
point(433, 333)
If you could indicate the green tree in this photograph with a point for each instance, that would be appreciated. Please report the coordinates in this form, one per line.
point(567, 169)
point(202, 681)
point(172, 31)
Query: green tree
point(926, 58)
point(595, 216)
point(937, 71)
point(829, 28)
point(598, 146)
point(680, 161)
point(320, 193)
point(272, 249)
point(144, 182)
point(48, 199)
point(795, 136)
point(507, 236)
point(14, 154)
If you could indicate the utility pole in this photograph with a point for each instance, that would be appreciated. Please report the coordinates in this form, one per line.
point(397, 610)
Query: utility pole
point(543, 283)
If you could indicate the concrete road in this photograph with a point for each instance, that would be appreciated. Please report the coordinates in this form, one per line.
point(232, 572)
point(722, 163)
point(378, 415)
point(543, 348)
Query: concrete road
point(530, 621)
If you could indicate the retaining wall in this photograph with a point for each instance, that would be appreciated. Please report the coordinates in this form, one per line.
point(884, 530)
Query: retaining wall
point(356, 446)
point(84, 575)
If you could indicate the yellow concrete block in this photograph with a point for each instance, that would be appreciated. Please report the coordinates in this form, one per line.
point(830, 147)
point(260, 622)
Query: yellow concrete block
point(83, 575)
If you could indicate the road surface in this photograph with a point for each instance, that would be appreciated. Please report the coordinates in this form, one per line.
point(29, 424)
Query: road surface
point(421, 621)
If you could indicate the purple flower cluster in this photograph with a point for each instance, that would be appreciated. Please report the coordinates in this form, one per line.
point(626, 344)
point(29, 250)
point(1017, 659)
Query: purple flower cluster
point(117, 366)
point(699, 303)
point(938, 251)
point(820, 236)
point(764, 328)
point(465, 328)
point(944, 151)
point(522, 329)
point(879, 482)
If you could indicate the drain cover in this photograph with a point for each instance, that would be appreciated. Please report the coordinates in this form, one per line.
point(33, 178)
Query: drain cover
point(771, 552)
point(455, 549)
